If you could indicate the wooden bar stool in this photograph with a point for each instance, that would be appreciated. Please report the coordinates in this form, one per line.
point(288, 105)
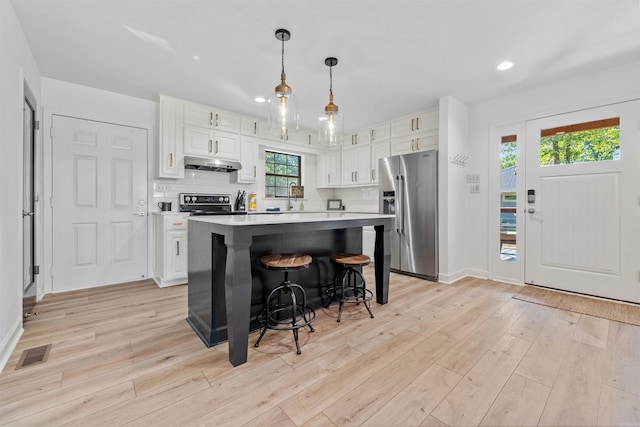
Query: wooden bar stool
point(349, 285)
point(286, 305)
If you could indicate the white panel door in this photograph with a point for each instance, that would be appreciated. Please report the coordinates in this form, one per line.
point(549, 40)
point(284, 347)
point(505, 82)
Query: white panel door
point(99, 203)
point(582, 224)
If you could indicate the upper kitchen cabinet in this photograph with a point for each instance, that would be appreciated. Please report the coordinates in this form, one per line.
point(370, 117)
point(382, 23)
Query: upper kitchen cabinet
point(415, 123)
point(203, 142)
point(361, 137)
point(356, 165)
point(249, 126)
point(249, 158)
point(208, 117)
point(170, 151)
point(422, 142)
point(329, 169)
point(380, 132)
point(379, 151)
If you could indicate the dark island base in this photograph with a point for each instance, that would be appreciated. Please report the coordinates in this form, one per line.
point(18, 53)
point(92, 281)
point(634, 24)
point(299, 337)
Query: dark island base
point(207, 312)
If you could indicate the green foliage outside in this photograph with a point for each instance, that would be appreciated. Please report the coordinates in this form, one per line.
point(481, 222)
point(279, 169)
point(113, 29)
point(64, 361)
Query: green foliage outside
point(508, 154)
point(579, 147)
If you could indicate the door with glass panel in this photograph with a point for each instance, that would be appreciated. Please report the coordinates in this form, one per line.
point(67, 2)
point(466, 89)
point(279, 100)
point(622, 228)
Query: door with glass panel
point(582, 209)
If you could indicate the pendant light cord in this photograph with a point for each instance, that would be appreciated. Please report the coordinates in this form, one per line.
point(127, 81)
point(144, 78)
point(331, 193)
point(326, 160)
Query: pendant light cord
point(331, 80)
point(283, 55)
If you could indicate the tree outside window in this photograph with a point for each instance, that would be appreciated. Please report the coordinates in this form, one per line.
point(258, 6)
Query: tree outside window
point(281, 171)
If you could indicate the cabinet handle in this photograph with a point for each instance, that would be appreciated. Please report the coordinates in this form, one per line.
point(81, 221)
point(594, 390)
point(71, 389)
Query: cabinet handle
point(254, 171)
point(328, 178)
point(417, 123)
point(356, 176)
point(255, 128)
point(373, 174)
point(373, 134)
point(177, 223)
point(417, 144)
point(412, 144)
point(308, 139)
point(211, 118)
point(412, 120)
point(210, 145)
point(170, 160)
point(217, 150)
point(177, 248)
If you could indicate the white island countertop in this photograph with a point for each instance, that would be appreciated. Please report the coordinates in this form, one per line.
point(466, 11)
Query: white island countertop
point(285, 218)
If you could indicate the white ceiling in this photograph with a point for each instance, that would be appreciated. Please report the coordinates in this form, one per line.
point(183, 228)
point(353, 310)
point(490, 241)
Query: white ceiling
point(395, 56)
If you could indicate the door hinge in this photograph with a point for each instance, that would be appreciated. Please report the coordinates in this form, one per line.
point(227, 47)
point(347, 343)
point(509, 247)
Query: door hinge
point(36, 124)
point(36, 269)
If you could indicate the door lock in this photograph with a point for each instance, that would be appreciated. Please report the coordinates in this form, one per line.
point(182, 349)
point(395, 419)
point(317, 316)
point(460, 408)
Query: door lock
point(531, 210)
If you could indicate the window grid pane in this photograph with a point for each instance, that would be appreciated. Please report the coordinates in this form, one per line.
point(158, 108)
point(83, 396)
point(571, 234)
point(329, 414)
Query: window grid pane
point(281, 171)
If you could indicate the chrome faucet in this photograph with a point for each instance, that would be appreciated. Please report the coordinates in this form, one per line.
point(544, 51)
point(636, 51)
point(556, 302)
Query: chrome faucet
point(289, 205)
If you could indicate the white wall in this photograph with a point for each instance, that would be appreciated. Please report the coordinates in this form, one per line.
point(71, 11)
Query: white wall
point(16, 66)
point(609, 86)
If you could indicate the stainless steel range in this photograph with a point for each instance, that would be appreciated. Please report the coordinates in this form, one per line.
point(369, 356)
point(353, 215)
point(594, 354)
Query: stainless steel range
point(207, 204)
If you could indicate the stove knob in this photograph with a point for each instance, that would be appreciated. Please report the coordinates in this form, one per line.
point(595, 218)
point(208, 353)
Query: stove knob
point(187, 199)
point(221, 199)
point(226, 200)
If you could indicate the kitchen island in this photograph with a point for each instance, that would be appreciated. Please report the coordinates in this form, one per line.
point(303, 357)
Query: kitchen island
point(226, 282)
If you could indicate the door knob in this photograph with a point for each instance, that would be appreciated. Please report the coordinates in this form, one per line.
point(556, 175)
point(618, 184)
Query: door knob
point(27, 213)
point(531, 210)
point(139, 214)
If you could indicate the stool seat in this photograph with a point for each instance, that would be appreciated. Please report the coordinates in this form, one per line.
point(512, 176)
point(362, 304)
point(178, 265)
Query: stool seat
point(286, 261)
point(350, 259)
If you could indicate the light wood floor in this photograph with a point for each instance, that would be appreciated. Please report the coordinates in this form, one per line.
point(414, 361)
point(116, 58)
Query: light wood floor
point(465, 354)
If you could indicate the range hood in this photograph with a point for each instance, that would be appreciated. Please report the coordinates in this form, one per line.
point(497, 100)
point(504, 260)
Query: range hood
point(209, 164)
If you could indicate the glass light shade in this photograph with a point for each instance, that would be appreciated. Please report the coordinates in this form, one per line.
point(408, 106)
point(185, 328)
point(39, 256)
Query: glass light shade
point(283, 113)
point(331, 129)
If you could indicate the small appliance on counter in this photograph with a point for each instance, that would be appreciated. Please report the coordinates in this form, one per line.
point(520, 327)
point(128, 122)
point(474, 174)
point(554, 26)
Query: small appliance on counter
point(207, 204)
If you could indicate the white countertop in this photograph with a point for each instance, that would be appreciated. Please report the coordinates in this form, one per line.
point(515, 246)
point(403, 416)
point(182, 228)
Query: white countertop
point(285, 218)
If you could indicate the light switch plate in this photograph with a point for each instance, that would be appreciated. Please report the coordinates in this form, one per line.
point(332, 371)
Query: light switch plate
point(474, 188)
point(473, 178)
point(162, 187)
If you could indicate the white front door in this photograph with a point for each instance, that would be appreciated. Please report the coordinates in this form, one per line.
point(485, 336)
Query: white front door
point(582, 216)
point(99, 203)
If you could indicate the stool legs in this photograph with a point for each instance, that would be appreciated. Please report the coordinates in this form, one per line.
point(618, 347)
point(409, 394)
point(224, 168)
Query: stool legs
point(298, 315)
point(349, 291)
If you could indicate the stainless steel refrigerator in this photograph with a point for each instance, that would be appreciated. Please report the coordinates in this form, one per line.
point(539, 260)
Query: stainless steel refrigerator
point(409, 189)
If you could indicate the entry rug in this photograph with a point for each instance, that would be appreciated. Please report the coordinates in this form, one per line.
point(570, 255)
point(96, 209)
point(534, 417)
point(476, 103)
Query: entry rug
point(613, 310)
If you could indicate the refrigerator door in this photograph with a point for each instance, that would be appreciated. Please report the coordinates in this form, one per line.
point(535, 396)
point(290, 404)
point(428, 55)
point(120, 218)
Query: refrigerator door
point(389, 202)
point(419, 233)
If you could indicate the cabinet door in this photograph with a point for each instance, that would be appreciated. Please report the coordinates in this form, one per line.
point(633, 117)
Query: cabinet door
point(402, 127)
point(360, 137)
point(426, 142)
point(198, 115)
point(380, 132)
point(363, 164)
point(226, 121)
point(198, 141)
point(379, 150)
point(348, 168)
point(249, 159)
point(329, 169)
point(175, 252)
point(248, 126)
point(226, 145)
point(427, 121)
point(171, 158)
point(267, 132)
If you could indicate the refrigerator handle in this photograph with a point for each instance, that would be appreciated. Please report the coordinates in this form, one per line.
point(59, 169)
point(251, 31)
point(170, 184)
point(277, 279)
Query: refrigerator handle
point(398, 204)
point(402, 203)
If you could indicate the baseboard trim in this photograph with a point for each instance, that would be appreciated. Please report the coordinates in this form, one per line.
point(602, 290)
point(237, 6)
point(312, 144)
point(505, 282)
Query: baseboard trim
point(9, 344)
point(450, 278)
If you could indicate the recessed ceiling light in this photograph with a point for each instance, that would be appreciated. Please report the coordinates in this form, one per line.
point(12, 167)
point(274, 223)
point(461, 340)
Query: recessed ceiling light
point(504, 65)
point(196, 57)
point(259, 99)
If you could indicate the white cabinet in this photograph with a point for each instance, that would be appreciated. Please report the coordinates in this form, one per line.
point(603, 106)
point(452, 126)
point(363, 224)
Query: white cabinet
point(356, 165)
point(379, 150)
point(380, 132)
point(248, 159)
point(249, 126)
point(199, 141)
point(422, 142)
point(170, 157)
point(208, 117)
point(416, 123)
point(171, 258)
point(329, 169)
point(360, 137)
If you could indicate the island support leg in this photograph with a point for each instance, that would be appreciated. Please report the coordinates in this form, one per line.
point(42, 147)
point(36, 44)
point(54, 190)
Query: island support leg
point(238, 296)
point(382, 261)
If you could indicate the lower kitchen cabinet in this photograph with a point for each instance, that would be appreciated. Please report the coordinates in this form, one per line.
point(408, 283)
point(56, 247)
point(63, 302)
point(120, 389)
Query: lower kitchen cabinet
point(171, 262)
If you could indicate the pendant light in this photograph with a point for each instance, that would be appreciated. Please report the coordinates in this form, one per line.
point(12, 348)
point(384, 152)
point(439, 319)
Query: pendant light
point(283, 105)
point(331, 123)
